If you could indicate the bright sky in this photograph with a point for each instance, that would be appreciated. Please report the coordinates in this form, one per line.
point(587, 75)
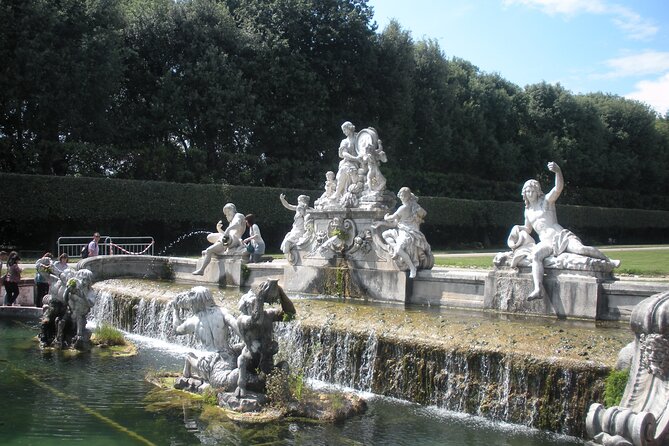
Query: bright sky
point(612, 46)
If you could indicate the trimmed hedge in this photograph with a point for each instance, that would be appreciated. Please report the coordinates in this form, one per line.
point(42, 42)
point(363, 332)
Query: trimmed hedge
point(37, 209)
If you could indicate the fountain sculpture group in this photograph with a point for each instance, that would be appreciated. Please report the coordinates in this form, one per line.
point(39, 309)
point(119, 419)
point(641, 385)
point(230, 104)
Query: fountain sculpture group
point(240, 367)
point(352, 226)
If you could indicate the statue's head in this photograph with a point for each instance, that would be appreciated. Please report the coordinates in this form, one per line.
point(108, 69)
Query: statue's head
point(268, 291)
point(196, 299)
point(405, 194)
point(303, 199)
point(348, 128)
point(531, 187)
point(229, 210)
point(85, 276)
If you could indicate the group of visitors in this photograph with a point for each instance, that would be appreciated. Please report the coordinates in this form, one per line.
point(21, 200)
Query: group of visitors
point(46, 271)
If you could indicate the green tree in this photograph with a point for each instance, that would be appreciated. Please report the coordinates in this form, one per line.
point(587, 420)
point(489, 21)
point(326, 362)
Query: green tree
point(61, 70)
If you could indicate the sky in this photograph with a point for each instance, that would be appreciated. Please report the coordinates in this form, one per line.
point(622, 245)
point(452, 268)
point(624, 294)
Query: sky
point(619, 46)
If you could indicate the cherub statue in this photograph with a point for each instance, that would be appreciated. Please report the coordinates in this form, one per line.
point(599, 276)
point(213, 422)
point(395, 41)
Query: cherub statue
point(328, 197)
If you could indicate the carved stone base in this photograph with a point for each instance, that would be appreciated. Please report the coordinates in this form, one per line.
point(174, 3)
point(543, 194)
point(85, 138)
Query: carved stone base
point(226, 270)
point(345, 281)
point(568, 293)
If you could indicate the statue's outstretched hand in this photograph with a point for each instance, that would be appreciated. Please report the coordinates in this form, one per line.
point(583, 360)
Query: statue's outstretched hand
point(553, 167)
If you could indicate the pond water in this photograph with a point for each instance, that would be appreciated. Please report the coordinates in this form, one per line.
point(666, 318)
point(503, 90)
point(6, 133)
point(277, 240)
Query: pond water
point(89, 399)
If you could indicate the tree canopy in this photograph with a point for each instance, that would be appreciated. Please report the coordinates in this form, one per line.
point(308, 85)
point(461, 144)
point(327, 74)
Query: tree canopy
point(254, 92)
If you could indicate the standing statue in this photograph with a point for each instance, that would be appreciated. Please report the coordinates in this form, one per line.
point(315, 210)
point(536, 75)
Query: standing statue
point(228, 241)
point(541, 216)
point(300, 232)
point(407, 245)
point(255, 325)
point(347, 174)
point(212, 326)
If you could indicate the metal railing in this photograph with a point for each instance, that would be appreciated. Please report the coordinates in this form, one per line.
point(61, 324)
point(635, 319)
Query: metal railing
point(108, 245)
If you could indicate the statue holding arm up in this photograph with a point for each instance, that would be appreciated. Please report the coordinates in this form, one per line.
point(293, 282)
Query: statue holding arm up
point(541, 216)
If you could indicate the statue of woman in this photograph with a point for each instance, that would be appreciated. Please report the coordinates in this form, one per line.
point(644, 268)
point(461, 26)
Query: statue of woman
point(407, 243)
point(347, 174)
point(299, 232)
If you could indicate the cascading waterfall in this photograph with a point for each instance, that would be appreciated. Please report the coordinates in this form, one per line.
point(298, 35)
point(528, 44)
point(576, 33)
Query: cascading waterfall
point(550, 395)
point(142, 316)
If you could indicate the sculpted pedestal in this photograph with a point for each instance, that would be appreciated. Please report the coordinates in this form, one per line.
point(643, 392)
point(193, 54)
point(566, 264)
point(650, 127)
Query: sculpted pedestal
point(226, 270)
point(343, 256)
point(570, 293)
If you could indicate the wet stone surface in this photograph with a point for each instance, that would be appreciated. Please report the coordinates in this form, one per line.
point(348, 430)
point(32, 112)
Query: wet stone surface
point(594, 343)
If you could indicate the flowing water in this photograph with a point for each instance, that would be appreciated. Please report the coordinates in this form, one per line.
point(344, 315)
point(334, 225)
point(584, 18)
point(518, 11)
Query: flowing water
point(90, 399)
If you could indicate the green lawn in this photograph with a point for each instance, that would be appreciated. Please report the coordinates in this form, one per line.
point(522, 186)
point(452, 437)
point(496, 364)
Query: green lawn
point(642, 262)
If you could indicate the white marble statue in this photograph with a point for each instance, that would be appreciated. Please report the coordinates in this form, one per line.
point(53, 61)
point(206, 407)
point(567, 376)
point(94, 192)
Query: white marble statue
point(541, 217)
point(225, 241)
point(195, 312)
point(300, 232)
point(641, 416)
point(328, 198)
point(407, 244)
point(347, 174)
point(79, 297)
point(372, 156)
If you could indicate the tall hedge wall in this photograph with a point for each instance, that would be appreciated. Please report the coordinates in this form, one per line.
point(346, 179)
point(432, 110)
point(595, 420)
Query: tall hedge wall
point(36, 210)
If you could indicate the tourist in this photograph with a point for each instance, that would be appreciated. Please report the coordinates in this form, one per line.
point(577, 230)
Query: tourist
point(3, 260)
point(61, 265)
point(541, 216)
point(42, 278)
point(12, 278)
point(254, 240)
point(93, 245)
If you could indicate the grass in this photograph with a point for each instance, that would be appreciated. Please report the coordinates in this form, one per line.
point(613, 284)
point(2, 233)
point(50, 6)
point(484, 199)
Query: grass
point(642, 262)
point(108, 335)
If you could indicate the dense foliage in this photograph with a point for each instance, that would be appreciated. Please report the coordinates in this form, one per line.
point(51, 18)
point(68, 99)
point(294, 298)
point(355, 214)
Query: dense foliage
point(254, 91)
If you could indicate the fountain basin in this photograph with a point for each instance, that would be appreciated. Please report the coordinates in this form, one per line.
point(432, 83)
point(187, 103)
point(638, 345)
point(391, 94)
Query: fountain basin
point(531, 371)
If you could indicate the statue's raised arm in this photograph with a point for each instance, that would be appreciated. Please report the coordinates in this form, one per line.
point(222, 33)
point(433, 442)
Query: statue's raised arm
point(554, 193)
point(290, 207)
